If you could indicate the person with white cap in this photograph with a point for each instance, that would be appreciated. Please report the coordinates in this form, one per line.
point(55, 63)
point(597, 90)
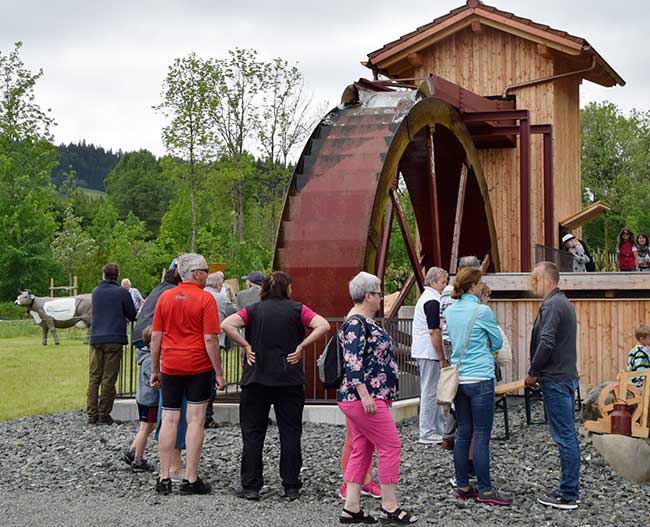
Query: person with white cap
point(580, 257)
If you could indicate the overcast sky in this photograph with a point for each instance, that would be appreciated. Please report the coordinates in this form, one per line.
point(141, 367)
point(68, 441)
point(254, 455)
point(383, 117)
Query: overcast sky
point(104, 62)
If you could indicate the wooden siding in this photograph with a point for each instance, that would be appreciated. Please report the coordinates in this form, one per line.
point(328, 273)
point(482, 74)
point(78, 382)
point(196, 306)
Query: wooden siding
point(605, 334)
point(486, 62)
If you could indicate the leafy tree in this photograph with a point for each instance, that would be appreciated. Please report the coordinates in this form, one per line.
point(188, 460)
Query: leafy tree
point(91, 164)
point(190, 96)
point(138, 185)
point(26, 195)
point(73, 248)
point(285, 118)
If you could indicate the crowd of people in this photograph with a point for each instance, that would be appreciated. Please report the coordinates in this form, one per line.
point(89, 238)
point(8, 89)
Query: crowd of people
point(187, 320)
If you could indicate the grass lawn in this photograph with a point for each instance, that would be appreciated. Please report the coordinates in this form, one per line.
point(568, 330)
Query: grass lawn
point(37, 379)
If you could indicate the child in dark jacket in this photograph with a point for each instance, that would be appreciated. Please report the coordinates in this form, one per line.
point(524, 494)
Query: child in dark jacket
point(147, 400)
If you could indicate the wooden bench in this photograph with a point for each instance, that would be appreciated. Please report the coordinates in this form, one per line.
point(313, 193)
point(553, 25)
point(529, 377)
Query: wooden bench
point(501, 392)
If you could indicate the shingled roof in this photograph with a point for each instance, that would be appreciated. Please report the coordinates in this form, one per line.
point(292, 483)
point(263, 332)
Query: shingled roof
point(463, 16)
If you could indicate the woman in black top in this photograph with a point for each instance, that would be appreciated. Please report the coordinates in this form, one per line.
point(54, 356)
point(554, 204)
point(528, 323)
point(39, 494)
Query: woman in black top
point(273, 375)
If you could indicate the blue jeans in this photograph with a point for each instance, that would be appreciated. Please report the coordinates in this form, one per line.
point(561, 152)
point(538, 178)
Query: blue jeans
point(559, 400)
point(474, 416)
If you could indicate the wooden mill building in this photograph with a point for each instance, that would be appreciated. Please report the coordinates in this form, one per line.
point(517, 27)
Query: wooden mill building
point(500, 55)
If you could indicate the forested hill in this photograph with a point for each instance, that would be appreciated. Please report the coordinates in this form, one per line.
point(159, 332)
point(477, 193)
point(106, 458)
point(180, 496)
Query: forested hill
point(91, 164)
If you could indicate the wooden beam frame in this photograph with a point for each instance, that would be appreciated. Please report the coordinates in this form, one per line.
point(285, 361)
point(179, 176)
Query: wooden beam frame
point(380, 266)
point(460, 204)
point(432, 190)
point(408, 241)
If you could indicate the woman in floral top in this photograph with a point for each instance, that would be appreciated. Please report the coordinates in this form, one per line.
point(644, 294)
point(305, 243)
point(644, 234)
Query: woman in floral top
point(365, 395)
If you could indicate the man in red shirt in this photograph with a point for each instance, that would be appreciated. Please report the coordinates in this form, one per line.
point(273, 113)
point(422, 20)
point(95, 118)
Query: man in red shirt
point(184, 351)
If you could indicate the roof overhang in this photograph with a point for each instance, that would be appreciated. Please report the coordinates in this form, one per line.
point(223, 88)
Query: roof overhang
point(389, 56)
point(585, 215)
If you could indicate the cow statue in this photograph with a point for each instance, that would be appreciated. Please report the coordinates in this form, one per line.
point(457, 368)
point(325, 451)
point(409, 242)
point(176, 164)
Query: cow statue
point(51, 313)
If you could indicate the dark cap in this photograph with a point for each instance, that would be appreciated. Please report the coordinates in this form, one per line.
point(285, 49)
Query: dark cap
point(255, 277)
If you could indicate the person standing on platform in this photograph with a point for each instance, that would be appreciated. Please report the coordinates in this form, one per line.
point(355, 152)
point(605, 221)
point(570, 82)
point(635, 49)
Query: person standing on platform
point(428, 351)
point(553, 366)
point(112, 306)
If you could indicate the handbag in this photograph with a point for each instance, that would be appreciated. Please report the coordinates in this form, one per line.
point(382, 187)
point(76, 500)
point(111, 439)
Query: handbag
point(448, 381)
point(504, 355)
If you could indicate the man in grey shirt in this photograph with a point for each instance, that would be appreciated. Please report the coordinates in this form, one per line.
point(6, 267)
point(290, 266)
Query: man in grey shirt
point(251, 294)
point(553, 365)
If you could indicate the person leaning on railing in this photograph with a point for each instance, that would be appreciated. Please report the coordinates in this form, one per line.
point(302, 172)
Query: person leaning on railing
point(369, 386)
point(273, 375)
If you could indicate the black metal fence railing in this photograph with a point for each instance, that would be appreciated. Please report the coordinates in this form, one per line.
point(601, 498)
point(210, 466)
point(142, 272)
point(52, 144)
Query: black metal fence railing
point(563, 259)
point(399, 330)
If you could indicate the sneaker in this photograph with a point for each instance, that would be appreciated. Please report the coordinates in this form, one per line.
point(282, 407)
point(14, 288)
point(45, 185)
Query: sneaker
point(291, 493)
point(141, 466)
point(164, 486)
point(128, 457)
point(431, 440)
point(494, 497)
point(343, 491)
point(92, 419)
point(105, 420)
point(195, 487)
point(558, 502)
point(248, 494)
point(371, 489)
point(470, 493)
point(176, 477)
point(210, 424)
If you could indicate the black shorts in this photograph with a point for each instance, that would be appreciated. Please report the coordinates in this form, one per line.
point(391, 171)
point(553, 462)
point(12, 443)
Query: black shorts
point(196, 389)
point(148, 414)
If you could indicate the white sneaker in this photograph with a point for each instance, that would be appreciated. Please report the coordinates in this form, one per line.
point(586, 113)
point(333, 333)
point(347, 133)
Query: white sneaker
point(434, 439)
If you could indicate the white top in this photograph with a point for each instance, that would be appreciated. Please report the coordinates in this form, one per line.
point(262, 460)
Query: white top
point(421, 345)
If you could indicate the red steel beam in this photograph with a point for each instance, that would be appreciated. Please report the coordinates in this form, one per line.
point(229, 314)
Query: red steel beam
point(549, 220)
point(410, 248)
point(524, 195)
point(399, 301)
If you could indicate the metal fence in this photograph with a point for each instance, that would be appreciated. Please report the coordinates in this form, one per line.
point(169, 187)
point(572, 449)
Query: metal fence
point(398, 329)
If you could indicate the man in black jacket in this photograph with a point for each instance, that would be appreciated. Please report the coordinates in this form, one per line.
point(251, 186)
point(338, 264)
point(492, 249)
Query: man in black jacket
point(553, 366)
point(112, 306)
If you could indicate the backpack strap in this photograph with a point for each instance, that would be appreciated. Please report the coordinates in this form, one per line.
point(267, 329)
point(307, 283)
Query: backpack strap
point(469, 334)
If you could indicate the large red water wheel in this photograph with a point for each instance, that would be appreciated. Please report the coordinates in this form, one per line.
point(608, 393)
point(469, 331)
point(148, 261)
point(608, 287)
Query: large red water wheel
point(343, 199)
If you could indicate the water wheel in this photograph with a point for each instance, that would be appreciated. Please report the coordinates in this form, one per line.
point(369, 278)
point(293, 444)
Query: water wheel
point(343, 196)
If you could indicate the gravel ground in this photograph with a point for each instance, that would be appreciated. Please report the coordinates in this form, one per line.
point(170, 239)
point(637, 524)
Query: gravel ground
point(59, 471)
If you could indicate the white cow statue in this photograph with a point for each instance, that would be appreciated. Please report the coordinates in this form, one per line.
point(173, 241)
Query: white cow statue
point(51, 313)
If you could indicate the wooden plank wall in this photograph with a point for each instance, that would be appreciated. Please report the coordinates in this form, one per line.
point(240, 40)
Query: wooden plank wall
point(605, 334)
point(486, 62)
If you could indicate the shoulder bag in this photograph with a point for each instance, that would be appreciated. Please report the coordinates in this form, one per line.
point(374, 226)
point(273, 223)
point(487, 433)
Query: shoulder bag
point(448, 382)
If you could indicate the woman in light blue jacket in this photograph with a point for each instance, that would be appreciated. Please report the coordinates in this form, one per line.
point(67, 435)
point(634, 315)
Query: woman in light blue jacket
point(474, 335)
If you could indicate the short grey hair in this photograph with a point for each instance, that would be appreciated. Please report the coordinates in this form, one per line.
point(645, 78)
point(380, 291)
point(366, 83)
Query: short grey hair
point(434, 275)
point(188, 262)
point(363, 284)
point(126, 282)
point(214, 280)
point(469, 261)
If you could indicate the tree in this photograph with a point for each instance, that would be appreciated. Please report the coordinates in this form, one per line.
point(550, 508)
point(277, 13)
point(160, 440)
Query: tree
point(190, 97)
point(138, 185)
point(26, 196)
point(73, 248)
point(285, 119)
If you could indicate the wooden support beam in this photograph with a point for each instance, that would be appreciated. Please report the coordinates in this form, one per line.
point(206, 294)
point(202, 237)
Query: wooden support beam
point(410, 248)
point(549, 220)
point(406, 289)
point(476, 26)
point(380, 266)
point(460, 203)
point(433, 246)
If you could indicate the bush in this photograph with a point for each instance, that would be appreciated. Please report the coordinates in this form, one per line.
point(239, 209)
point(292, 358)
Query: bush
point(10, 311)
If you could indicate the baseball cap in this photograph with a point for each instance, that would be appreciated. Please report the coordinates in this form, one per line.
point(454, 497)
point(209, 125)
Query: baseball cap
point(255, 277)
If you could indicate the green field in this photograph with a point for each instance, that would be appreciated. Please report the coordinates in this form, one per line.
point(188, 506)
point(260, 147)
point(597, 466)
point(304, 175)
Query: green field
point(37, 379)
